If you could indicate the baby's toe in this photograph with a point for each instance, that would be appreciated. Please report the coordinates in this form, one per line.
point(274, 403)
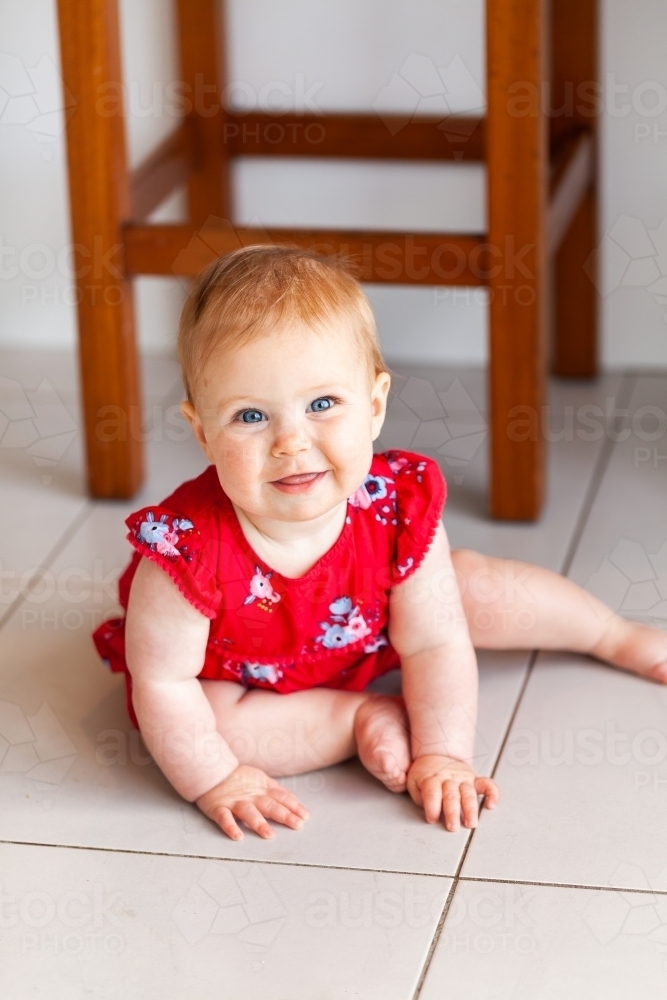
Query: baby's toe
point(658, 673)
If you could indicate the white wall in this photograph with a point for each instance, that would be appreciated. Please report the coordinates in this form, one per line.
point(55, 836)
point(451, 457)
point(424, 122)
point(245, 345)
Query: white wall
point(348, 54)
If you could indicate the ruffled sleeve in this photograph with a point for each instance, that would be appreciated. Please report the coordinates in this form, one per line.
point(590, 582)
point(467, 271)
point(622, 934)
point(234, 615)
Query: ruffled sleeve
point(421, 492)
point(184, 547)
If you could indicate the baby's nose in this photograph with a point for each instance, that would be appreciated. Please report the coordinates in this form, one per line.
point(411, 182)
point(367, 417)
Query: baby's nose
point(291, 440)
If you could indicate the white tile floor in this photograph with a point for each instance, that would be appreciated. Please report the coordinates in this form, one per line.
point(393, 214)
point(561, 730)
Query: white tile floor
point(111, 886)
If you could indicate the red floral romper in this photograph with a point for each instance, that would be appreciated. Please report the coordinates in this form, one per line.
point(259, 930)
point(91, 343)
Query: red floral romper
point(327, 628)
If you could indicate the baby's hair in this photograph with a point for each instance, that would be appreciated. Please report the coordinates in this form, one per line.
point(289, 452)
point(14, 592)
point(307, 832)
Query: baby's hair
point(247, 292)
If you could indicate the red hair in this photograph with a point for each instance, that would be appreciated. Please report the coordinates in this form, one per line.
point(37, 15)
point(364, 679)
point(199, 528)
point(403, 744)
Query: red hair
point(246, 293)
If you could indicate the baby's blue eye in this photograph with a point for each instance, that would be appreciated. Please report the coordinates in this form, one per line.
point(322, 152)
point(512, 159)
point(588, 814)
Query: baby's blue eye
point(251, 416)
point(323, 403)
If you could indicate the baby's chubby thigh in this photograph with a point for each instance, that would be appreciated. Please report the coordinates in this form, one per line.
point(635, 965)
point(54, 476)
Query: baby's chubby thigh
point(285, 734)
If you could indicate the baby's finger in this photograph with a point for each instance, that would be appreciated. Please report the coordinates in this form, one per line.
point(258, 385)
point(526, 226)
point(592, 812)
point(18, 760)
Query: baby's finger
point(290, 800)
point(489, 789)
point(431, 793)
point(469, 804)
point(251, 815)
point(279, 812)
point(451, 804)
point(225, 820)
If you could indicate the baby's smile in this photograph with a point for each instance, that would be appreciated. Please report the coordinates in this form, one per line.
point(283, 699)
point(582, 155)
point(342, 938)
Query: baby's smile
point(302, 482)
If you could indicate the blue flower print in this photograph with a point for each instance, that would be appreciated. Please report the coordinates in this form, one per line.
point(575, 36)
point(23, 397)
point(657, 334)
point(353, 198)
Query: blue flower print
point(347, 624)
point(341, 606)
point(172, 537)
point(260, 672)
point(376, 486)
point(159, 536)
point(336, 636)
point(373, 488)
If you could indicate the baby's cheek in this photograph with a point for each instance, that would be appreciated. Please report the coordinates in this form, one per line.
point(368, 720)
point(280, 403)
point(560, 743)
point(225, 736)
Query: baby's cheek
point(237, 462)
point(351, 452)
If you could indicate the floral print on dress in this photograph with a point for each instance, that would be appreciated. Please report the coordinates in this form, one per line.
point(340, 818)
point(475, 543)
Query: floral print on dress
point(261, 589)
point(399, 463)
point(346, 625)
point(409, 563)
point(260, 672)
point(377, 492)
point(162, 536)
point(377, 642)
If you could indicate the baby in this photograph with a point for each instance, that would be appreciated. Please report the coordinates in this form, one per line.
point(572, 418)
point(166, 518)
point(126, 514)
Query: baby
point(266, 594)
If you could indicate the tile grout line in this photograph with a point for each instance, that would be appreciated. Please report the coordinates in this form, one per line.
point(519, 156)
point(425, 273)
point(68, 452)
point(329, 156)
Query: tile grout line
point(66, 537)
point(626, 389)
point(216, 857)
point(562, 885)
point(457, 875)
point(338, 868)
point(529, 669)
point(443, 917)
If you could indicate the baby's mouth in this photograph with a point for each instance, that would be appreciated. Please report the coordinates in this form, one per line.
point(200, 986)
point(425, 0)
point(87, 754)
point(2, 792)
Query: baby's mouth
point(300, 481)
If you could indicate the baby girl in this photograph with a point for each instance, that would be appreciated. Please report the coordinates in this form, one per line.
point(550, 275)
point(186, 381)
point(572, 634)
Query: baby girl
point(266, 594)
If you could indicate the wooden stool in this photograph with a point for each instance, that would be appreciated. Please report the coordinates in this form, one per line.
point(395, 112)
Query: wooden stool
point(538, 140)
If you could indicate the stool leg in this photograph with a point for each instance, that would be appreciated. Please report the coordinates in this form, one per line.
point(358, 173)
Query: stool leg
point(204, 75)
point(517, 167)
point(574, 74)
point(99, 203)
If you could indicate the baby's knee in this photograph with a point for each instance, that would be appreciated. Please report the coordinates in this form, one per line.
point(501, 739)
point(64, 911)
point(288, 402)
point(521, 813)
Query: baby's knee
point(467, 562)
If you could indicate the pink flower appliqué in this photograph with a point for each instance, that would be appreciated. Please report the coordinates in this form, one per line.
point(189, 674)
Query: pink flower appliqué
point(360, 498)
point(261, 588)
point(160, 536)
point(396, 464)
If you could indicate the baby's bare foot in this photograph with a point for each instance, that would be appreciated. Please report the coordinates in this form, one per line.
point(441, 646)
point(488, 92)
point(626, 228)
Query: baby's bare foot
point(383, 740)
point(636, 647)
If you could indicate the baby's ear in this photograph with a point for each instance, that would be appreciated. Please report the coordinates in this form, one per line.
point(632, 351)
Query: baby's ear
point(379, 393)
point(192, 417)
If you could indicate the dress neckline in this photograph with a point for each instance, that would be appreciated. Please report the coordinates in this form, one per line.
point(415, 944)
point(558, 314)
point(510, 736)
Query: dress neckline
point(235, 524)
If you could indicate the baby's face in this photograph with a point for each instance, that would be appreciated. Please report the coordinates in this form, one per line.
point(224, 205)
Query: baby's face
point(289, 421)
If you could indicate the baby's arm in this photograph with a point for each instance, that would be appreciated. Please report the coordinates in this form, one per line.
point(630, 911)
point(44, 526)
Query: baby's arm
point(165, 644)
point(428, 629)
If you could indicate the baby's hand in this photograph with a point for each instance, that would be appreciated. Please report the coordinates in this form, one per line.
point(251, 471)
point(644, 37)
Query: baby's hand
point(251, 795)
point(449, 786)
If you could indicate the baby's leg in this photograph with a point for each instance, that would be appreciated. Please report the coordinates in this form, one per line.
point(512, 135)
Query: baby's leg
point(293, 733)
point(513, 605)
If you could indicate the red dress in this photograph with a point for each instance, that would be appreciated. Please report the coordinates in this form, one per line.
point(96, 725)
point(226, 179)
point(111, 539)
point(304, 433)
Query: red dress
point(327, 628)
